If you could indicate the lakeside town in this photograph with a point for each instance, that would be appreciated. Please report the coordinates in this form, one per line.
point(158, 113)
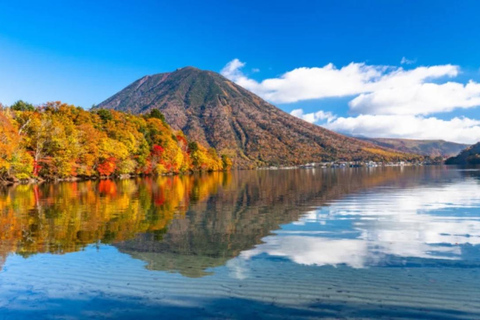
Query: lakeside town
point(354, 164)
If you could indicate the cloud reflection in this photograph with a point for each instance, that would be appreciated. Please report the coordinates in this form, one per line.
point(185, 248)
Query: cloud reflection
point(371, 228)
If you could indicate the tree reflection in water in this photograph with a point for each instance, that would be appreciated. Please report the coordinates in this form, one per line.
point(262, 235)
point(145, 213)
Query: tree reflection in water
point(183, 224)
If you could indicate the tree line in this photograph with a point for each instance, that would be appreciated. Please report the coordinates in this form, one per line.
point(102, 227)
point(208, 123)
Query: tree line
point(60, 141)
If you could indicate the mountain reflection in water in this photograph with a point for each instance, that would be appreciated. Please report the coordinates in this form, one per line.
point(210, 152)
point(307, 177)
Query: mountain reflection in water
point(384, 226)
point(347, 243)
point(190, 224)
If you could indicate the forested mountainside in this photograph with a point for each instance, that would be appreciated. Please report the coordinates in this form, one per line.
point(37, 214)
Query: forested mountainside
point(57, 140)
point(431, 148)
point(469, 156)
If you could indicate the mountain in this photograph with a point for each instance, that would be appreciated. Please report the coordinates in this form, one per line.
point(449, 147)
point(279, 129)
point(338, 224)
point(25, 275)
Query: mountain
point(216, 112)
point(432, 148)
point(471, 155)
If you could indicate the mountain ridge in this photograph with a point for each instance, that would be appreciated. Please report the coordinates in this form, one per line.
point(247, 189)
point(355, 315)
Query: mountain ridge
point(469, 156)
point(431, 148)
point(213, 110)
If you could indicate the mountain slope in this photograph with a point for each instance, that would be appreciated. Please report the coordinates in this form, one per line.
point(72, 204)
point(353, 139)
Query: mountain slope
point(471, 155)
point(216, 112)
point(432, 148)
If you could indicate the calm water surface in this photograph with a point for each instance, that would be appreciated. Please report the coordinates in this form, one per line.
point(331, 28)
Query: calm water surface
point(348, 243)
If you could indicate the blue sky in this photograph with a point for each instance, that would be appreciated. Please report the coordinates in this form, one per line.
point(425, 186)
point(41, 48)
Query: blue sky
point(83, 52)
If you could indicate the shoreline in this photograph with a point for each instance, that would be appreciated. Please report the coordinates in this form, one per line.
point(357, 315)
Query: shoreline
point(14, 182)
point(331, 165)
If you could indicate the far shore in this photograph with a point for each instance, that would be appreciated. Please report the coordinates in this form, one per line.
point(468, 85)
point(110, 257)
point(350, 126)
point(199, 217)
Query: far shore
point(313, 165)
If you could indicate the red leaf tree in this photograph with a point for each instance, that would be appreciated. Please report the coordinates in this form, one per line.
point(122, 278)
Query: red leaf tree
point(107, 167)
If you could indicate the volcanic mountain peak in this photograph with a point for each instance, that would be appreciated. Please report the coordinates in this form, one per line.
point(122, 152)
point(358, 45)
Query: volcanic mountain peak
point(219, 113)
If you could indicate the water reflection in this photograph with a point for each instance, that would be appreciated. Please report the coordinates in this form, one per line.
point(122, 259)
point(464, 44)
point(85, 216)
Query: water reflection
point(379, 243)
point(432, 219)
point(190, 224)
point(65, 217)
point(367, 217)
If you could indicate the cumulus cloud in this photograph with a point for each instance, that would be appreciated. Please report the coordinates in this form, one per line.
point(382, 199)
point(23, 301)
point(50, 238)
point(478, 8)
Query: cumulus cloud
point(375, 89)
point(308, 83)
point(461, 130)
point(388, 101)
point(232, 71)
point(314, 116)
point(417, 98)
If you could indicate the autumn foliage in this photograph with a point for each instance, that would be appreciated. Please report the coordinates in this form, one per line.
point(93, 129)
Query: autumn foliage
point(57, 140)
point(33, 220)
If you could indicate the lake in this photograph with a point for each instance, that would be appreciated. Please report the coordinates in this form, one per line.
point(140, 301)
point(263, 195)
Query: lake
point(393, 242)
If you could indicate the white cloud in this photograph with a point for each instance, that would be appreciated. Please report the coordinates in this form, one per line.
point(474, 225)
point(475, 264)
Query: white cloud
point(308, 83)
point(314, 116)
point(462, 130)
point(376, 89)
point(407, 61)
point(416, 98)
point(388, 101)
point(232, 71)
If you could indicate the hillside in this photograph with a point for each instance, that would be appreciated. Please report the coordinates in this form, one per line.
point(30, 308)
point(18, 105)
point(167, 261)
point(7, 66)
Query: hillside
point(431, 148)
point(61, 141)
point(216, 112)
point(469, 156)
